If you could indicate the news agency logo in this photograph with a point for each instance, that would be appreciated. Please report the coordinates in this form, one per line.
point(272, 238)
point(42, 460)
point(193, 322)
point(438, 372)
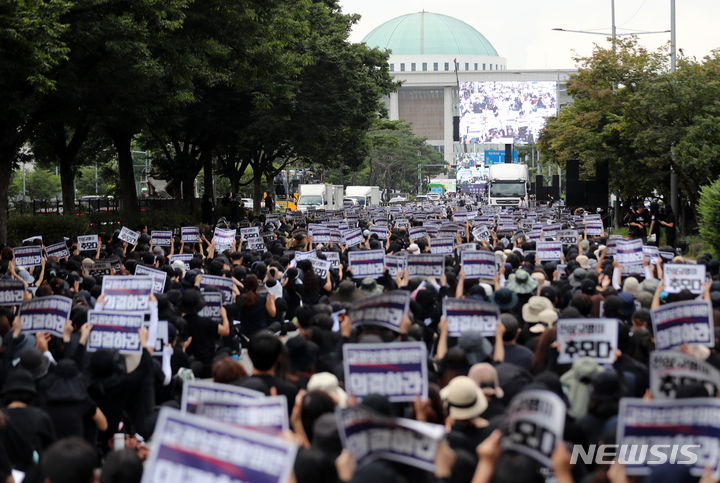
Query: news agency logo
point(636, 454)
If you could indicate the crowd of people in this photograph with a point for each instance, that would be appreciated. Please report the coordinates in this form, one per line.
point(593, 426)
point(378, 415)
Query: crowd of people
point(283, 330)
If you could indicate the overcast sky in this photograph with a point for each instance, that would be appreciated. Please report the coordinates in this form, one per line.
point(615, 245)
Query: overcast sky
point(520, 30)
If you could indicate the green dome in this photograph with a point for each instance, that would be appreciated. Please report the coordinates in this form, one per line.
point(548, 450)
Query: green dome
point(429, 33)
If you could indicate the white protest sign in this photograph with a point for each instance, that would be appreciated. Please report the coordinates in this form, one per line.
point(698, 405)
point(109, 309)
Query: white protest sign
point(651, 253)
point(11, 292)
point(691, 426)
point(268, 414)
point(689, 321)
point(352, 237)
point(478, 264)
point(671, 369)
point(547, 251)
point(681, 276)
point(115, 330)
point(534, 422)
point(158, 277)
point(223, 239)
point(629, 253)
point(384, 310)
point(59, 250)
point(183, 257)
point(426, 265)
point(442, 246)
point(129, 236)
point(87, 243)
point(161, 238)
point(195, 392)
point(370, 436)
point(28, 257)
point(250, 232)
point(397, 370)
point(223, 284)
point(45, 314)
point(596, 338)
point(190, 234)
point(470, 315)
point(393, 263)
point(190, 448)
point(320, 267)
point(369, 263)
point(126, 293)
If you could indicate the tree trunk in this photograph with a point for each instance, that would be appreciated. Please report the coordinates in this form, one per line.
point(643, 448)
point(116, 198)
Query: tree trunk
point(209, 171)
point(67, 182)
point(5, 174)
point(270, 180)
point(188, 192)
point(257, 191)
point(128, 194)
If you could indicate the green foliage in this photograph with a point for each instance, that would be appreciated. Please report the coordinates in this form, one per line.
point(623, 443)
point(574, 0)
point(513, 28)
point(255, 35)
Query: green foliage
point(709, 212)
point(85, 180)
point(52, 227)
point(40, 184)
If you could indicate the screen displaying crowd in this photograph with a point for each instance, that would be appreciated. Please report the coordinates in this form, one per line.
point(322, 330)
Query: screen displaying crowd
point(493, 110)
point(439, 341)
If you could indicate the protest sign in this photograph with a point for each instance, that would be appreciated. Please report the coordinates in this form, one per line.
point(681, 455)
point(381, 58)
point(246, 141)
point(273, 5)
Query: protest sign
point(547, 251)
point(370, 436)
point(666, 256)
point(533, 235)
point(100, 268)
point(380, 230)
point(629, 253)
point(594, 228)
point(190, 234)
point(33, 240)
point(126, 293)
point(257, 244)
point(651, 253)
point(691, 426)
point(352, 237)
point(466, 246)
point(88, 243)
point(568, 237)
point(45, 314)
point(384, 310)
point(319, 233)
point(213, 304)
point(689, 321)
point(196, 392)
point(682, 276)
point(671, 369)
point(470, 315)
point(183, 257)
point(267, 414)
point(481, 233)
point(223, 284)
point(401, 223)
point(534, 422)
point(393, 263)
point(190, 448)
point(442, 246)
point(158, 277)
point(478, 264)
point(223, 239)
point(333, 258)
point(128, 236)
point(448, 230)
point(305, 255)
point(417, 232)
point(115, 330)
point(250, 232)
point(612, 244)
point(426, 265)
point(551, 231)
point(320, 267)
point(30, 256)
point(397, 370)
point(161, 238)
point(59, 250)
point(369, 263)
point(596, 338)
point(11, 292)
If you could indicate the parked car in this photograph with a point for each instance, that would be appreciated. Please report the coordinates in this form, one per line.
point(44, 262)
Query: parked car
point(421, 198)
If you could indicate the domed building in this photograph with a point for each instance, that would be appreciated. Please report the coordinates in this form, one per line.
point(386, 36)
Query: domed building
point(451, 73)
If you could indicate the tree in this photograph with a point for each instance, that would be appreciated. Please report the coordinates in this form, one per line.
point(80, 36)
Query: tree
point(709, 211)
point(40, 184)
point(30, 47)
point(395, 153)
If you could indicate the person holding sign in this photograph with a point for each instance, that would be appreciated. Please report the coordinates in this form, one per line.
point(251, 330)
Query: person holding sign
point(255, 309)
point(203, 332)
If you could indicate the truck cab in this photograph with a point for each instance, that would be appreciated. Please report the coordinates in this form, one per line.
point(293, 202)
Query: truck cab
point(508, 184)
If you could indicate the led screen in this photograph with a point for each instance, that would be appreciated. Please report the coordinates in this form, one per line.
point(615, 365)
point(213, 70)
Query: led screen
point(493, 110)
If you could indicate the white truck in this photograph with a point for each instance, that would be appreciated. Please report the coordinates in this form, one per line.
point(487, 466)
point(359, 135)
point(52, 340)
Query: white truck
point(363, 195)
point(320, 197)
point(508, 184)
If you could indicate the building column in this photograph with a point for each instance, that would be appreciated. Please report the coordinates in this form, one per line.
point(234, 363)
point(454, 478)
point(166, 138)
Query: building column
point(394, 107)
point(448, 123)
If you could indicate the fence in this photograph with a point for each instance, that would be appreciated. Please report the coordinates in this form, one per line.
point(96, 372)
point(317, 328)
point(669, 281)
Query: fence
point(89, 206)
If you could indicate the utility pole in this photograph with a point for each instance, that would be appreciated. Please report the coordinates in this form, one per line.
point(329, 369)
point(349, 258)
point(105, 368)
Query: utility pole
point(674, 202)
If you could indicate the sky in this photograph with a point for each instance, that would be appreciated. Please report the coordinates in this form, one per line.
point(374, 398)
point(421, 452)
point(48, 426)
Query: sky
point(521, 30)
